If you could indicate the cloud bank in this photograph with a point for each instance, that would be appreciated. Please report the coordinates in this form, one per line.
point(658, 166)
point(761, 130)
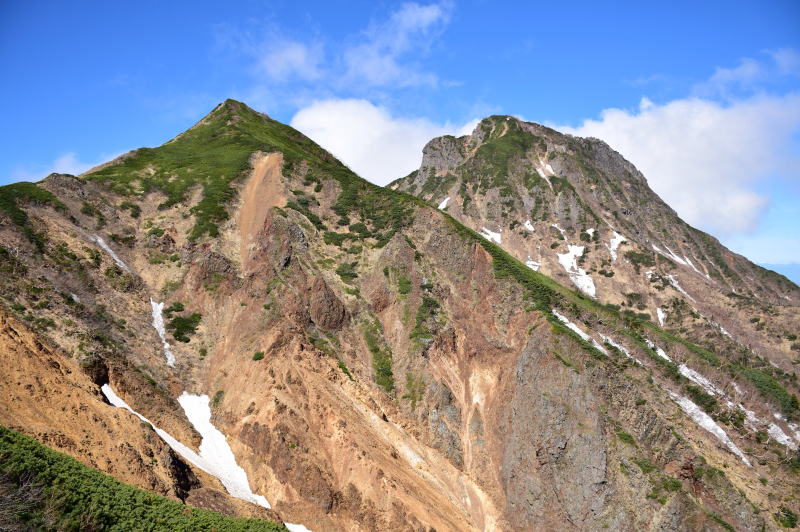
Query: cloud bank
point(373, 143)
point(704, 158)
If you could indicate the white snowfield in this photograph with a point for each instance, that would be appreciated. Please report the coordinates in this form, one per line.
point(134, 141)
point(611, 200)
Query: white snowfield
point(660, 352)
point(674, 282)
point(491, 235)
point(692, 266)
point(777, 434)
point(590, 232)
point(620, 347)
point(296, 528)
point(545, 171)
point(579, 277)
point(105, 247)
point(215, 457)
point(700, 380)
point(443, 204)
point(683, 261)
point(158, 325)
point(532, 264)
point(705, 421)
point(614, 243)
point(579, 331)
point(723, 331)
point(528, 225)
point(752, 421)
point(662, 316)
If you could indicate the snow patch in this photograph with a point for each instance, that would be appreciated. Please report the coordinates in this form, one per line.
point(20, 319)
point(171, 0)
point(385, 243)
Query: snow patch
point(561, 230)
point(620, 347)
point(102, 243)
point(705, 421)
point(777, 434)
point(158, 324)
point(528, 225)
point(215, 451)
point(683, 261)
point(699, 379)
point(662, 316)
point(670, 255)
point(660, 352)
point(532, 264)
point(614, 244)
point(590, 232)
point(579, 332)
point(296, 528)
point(215, 457)
point(569, 261)
point(75, 297)
point(674, 282)
point(723, 331)
point(796, 430)
point(691, 264)
point(443, 204)
point(490, 235)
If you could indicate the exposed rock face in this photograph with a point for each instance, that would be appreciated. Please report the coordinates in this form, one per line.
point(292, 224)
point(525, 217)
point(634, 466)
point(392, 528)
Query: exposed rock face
point(577, 211)
point(325, 308)
point(373, 364)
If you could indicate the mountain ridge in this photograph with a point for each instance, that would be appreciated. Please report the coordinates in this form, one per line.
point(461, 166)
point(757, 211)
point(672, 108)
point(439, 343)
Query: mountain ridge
point(373, 362)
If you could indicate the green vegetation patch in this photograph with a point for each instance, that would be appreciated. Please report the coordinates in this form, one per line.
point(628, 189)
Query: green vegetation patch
point(626, 438)
point(426, 313)
point(75, 497)
point(381, 357)
point(645, 465)
point(773, 390)
point(345, 369)
point(11, 196)
point(786, 518)
point(703, 399)
point(415, 389)
point(183, 326)
point(640, 259)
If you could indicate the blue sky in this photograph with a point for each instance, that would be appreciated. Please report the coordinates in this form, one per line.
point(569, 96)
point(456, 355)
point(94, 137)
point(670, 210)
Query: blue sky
point(703, 96)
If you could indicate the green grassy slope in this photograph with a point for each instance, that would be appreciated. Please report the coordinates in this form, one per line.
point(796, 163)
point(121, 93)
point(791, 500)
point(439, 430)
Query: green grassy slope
point(48, 490)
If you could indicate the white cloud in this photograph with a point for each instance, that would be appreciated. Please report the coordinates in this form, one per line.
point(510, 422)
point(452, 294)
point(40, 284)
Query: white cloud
point(367, 138)
point(750, 74)
point(387, 54)
point(290, 59)
point(66, 163)
point(378, 60)
point(746, 74)
point(787, 61)
point(706, 159)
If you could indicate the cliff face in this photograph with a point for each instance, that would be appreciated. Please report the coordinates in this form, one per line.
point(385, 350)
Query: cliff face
point(373, 363)
point(577, 211)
